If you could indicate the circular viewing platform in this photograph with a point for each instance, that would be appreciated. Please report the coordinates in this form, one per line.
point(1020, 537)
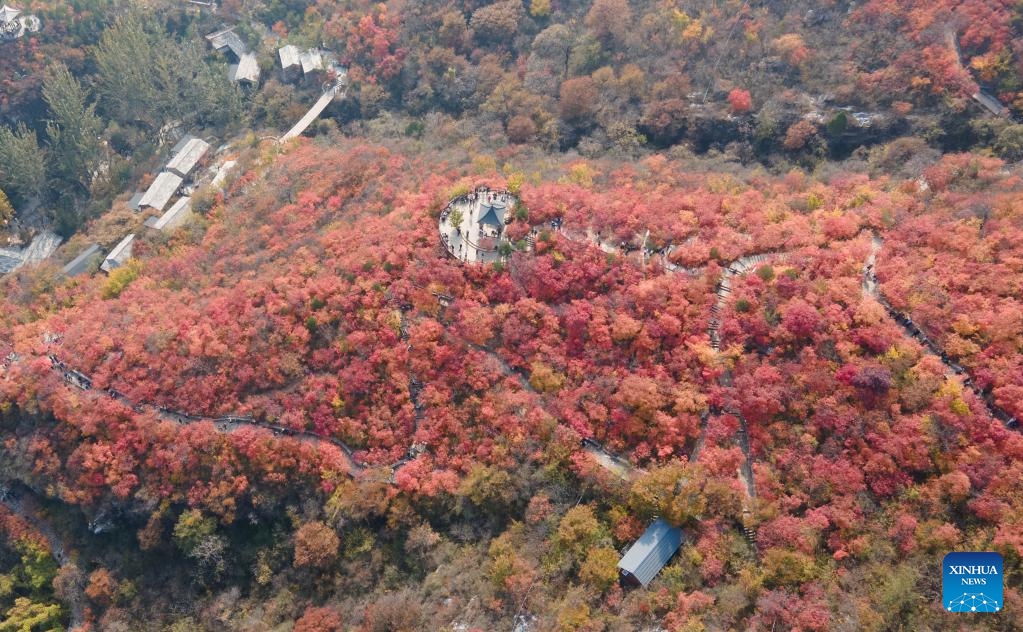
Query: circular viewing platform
point(472, 226)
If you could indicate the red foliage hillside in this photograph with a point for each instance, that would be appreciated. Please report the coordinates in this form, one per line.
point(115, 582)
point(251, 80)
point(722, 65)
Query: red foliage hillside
point(288, 308)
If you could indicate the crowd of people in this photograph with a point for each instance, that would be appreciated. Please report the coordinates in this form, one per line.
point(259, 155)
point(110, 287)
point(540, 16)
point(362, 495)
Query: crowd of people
point(475, 243)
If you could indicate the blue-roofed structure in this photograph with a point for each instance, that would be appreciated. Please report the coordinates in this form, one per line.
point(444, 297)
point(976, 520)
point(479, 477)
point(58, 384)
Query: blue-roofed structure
point(492, 214)
point(650, 553)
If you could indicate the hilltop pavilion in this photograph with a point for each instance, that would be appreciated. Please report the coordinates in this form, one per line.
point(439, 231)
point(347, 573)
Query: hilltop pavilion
point(483, 213)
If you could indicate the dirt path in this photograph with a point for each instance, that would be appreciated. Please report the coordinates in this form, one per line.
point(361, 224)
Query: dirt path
point(614, 464)
point(506, 369)
point(953, 371)
point(740, 266)
point(225, 424)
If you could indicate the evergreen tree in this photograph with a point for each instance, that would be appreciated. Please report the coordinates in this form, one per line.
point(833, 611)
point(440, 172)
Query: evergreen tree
point(22, 164)
point(74, 129)
point(130, 72)
point(147, 78)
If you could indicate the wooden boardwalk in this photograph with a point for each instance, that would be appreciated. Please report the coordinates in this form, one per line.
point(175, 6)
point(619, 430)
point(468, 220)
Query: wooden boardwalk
point(313, 113)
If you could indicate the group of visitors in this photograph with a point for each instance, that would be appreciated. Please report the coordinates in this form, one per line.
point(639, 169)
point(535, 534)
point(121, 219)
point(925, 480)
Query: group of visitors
point(471, 205)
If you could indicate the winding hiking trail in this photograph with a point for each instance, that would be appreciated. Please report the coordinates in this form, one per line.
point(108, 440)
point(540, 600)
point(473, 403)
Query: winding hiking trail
point(616, 465)
point(953, 371)
point(21, 502)
point(230, 423)
point(740, 266)
point(869, 284)
point(743, 265)
point(26, 508)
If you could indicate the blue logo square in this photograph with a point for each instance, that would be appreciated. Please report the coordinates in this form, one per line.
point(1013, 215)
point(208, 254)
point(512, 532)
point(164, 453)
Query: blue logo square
point(972, 582)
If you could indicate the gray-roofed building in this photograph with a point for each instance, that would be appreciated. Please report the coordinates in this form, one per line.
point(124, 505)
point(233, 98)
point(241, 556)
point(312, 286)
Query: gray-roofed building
point(650, 553)
point(161, 191)
point(83, 262)
point(185, 159)
point(120, 254)
point(991, 104)
point(246, 70)
point(221, 177)
point(226, 40)
point(8, 14)
point(174, 217)
point(13, 24)
point(133, 202)
point(10, 26)
point(312, 63)
point(291, 62)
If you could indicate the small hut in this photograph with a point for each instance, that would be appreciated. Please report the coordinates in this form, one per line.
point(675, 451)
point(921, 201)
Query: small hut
point(991, 104)
point(291, 62)
point(228, 42)
point(119, 255)
point(246, 70)
point(160, 191)
point(83, 262)
point(8, 14)
point(186, 158)
point(650, 553)
point(491, 219)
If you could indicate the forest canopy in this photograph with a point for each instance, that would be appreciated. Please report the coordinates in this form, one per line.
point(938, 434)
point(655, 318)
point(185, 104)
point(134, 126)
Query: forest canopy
point(750, 270)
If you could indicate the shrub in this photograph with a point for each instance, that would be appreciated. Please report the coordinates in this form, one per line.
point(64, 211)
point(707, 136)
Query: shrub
point(120, 279)
point(316, 545)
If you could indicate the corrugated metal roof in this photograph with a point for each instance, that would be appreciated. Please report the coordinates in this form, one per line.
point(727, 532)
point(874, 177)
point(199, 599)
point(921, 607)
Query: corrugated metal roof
point(289, 56)
point(312, 60)
point(221, 177)
point(175, 215)
point(247, 69)
point(648, 555)
point(185, 160)
point(161, 191)
point(80, 263)
point(227, 39)
point(120, 254)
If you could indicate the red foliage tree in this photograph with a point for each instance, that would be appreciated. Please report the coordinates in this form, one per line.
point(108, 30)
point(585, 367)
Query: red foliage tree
point(740, 101)
point(319, 620)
